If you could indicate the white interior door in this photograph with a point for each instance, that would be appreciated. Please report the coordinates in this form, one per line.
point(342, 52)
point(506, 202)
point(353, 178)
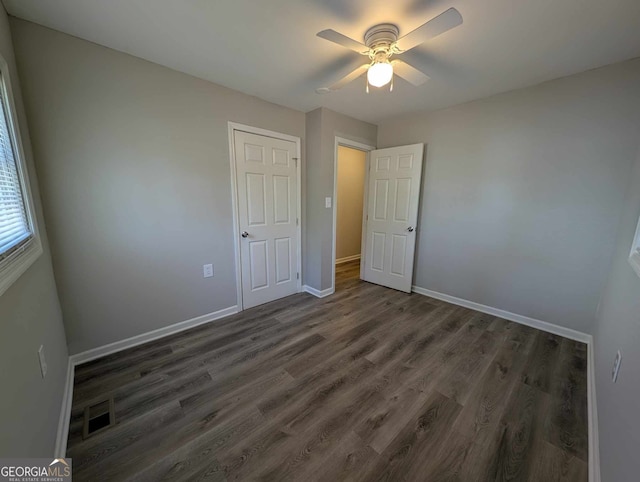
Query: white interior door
point(392, 215)
point(267, 188)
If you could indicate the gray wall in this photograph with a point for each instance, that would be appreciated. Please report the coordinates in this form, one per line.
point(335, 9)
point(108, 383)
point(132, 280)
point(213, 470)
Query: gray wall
point(618, 328)
point(522, 192)
point(352, 166)
point(29, 317)
point(323, 125)
point(134, 164)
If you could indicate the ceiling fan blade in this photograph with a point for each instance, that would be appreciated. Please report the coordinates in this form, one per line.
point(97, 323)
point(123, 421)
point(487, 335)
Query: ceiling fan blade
point(409, 73)
point(445, 21)
point(353, 75)
point(344, 41)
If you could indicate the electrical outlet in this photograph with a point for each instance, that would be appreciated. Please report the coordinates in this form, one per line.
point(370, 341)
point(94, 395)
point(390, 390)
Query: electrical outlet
point(327, 202)
point(207, 270)
point(43, 361)
point(616, 367)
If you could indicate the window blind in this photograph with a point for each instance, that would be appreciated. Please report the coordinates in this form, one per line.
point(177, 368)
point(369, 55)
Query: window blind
point(15, 231)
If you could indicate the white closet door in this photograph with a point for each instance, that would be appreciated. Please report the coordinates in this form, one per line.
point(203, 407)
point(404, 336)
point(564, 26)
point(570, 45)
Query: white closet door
point(266, 174)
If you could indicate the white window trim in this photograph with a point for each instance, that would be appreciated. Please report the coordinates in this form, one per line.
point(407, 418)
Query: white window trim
point(634, 256)
point(12, 268)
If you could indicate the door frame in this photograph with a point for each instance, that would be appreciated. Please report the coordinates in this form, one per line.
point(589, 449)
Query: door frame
point(233, 127)
point(343, 141)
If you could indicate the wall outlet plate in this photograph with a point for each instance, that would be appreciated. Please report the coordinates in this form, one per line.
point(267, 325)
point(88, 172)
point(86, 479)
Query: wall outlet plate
point(207, 270)
point(616, 367)
point(327, 202)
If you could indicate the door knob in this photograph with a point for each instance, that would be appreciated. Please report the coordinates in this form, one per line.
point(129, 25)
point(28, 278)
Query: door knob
point(244, 234)
point(411, 229)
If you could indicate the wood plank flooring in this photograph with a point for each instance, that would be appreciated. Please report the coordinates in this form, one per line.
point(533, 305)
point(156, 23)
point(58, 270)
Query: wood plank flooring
point(367, 384)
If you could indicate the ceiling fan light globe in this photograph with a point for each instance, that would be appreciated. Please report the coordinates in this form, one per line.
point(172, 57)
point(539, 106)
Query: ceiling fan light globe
point(380, 74)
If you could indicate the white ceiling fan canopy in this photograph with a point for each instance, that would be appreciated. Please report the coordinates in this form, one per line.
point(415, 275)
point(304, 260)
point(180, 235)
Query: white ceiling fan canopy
point(381, 36)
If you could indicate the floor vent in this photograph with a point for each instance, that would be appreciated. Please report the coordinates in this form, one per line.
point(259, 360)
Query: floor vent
point(98, 417)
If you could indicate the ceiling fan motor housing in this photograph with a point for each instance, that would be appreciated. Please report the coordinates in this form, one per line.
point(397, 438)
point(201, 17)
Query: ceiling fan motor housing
point(380, 38)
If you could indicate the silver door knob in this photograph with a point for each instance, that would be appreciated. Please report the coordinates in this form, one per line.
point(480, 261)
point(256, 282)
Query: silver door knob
point(244, 234)
point(411, 229)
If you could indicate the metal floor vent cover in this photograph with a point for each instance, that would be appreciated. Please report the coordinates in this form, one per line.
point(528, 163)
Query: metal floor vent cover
point(98, 417)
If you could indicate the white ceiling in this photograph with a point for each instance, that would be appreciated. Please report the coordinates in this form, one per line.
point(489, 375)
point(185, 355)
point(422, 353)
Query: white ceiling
point(269, 48)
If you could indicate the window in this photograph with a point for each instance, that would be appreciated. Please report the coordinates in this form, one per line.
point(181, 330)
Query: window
point(634, 257)
point(19, 242)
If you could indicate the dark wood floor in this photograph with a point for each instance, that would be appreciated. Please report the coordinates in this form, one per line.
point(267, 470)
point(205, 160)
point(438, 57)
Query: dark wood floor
point(366, 384)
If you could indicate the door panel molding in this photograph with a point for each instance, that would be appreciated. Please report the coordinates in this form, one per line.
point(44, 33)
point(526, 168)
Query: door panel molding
point(278, 158)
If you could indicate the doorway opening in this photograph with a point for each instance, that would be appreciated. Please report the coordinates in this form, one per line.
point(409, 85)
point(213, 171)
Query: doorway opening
point(389, 215)
point(350, 180)
point(350, 171)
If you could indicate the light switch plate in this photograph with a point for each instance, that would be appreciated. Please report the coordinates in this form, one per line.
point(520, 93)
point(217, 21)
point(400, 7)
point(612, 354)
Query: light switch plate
point(327, 202)
point(207, 270)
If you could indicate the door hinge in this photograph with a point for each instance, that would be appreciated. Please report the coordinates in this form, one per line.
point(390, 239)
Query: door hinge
point(297, 275)
point(297, 221)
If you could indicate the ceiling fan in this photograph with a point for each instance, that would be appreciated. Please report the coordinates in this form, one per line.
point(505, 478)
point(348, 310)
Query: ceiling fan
point(381, 42)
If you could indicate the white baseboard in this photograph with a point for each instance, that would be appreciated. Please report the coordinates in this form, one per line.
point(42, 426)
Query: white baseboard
point(117, 346)
point(65, 413)
point(318, 293)
point(594, 453)
point(594, 441)
point(346, 259)
point(85, 356)
point(507, 315)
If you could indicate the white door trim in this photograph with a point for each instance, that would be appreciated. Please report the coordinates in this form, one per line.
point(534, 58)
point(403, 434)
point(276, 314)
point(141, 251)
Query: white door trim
point(343, 141)
point(234, 126)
